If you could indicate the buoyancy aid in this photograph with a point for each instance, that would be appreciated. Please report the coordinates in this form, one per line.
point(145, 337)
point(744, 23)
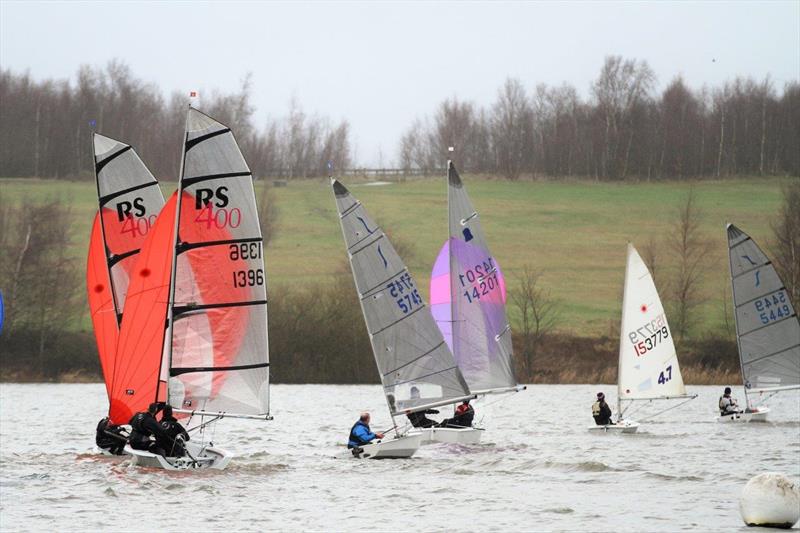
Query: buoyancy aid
point(596, 408)
point(354, 440)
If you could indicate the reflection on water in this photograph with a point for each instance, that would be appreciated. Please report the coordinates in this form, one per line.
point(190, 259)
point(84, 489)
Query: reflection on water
point(538, 467)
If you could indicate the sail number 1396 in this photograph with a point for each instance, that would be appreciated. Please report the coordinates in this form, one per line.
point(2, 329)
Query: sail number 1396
point(244, 251)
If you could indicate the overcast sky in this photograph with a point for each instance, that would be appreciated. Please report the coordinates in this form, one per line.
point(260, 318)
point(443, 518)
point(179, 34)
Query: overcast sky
point(381, 64)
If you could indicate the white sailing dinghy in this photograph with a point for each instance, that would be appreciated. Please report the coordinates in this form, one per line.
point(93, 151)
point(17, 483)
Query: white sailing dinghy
point(468, 302)
point(194, 330)
point(767, 328)
point(129, 200)
point(410, 352)
point(648, 364)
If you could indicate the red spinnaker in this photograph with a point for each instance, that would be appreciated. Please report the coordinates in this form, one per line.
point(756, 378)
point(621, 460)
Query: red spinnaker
point(141, 340)
point(101, 303)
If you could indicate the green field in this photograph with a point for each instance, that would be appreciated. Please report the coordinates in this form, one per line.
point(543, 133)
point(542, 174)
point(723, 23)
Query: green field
point(574, 232)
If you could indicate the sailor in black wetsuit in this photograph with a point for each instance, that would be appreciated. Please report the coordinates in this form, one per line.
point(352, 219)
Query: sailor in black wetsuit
point(110, 437)
point(418, 418)
point(143, 426)
point(601, 411)
point(174, 435)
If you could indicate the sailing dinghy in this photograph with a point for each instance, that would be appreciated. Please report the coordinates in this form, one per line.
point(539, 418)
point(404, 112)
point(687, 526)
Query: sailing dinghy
point(468, 302)
point(194, 328)
point(648, 364)
point(767, 328)
point(129, 201)
point(416, 367)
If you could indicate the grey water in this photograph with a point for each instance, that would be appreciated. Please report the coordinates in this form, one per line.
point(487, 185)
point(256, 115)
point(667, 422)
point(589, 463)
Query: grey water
point(538, 468)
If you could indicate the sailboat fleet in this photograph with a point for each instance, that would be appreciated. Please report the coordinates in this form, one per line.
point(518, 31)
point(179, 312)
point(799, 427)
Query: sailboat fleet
point(178, 300)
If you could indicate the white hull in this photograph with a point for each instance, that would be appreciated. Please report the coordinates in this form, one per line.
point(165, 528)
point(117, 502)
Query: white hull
point(753, 416)
point(623, 426)
point(398, 448)
point(448, 435)
point(204, 458)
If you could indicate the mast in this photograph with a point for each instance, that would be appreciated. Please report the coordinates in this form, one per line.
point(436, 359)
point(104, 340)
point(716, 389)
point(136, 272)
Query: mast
point(620, 357)
point(171, 298)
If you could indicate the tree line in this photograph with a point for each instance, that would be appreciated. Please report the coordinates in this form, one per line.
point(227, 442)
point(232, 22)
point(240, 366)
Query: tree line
point(625, 129)
point(46, 126)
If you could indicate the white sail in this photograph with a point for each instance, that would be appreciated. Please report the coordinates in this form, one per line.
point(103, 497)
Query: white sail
point(416, 367)
point(767, 328)
point(648, 364)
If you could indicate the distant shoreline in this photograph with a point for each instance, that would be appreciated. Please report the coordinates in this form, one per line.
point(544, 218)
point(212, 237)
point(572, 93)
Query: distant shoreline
point(703, 378)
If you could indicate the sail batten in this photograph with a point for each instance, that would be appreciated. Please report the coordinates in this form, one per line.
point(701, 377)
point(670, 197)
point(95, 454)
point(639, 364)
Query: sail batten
point(415, 366)
point(767, 327)
point(468, 297)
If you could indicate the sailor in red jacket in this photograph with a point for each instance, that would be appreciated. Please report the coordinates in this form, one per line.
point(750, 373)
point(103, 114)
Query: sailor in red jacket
point(462, 418)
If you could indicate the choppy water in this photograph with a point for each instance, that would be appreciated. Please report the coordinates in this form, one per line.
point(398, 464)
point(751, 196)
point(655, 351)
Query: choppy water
point(538, 468)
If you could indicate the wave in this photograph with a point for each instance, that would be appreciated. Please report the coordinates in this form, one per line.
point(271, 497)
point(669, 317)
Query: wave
point(582, 466)
point(669, 477)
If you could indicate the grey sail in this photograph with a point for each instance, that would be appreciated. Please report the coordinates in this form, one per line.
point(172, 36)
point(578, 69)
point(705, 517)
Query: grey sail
point(217, 351)
point(481, 341)
point(130, 200)
point(767, 327)
point(416, 367)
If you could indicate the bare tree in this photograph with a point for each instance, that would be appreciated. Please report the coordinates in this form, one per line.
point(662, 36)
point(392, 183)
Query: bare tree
point(512, 125)
point(786, 246)
point(650, 258)
point(692, 250)
point(537, 314)
point(44, 301)
point(621, 87)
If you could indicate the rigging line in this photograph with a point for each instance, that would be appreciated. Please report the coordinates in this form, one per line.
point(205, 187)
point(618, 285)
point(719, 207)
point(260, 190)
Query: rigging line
point(409, 315)
point(420, 378)
point(414, 360)
point(667, 409)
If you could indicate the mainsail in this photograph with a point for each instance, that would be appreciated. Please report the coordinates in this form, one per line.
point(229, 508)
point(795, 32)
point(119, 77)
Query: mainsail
point(648, 365)
point(197, 331)
point(416, 367)
point(468, 298)
point(129, 202)
point(767, 328)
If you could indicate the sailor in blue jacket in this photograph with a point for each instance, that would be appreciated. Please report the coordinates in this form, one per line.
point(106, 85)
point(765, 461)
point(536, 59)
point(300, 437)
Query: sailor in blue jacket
point(360, 434)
